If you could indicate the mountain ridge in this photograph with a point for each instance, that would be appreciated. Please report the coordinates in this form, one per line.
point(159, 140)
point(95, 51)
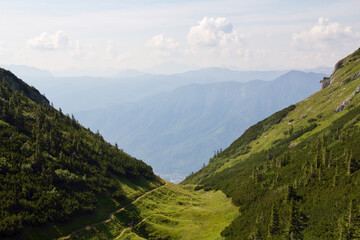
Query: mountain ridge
point(192, 121)
point(294, 174)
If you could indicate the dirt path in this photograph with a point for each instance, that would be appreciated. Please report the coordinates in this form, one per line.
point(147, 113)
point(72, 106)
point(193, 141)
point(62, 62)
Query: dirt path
point(110, 215)
point(144, 219)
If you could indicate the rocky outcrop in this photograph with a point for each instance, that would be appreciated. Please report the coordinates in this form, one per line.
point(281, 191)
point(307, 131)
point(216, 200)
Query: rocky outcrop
point(348, 100)
point(343, 104)
point(325, 83)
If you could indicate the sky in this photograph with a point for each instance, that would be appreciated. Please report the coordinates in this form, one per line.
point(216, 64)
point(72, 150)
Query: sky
point(102, 37)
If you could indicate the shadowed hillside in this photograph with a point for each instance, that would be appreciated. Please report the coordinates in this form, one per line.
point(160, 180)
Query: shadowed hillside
point(56, 175)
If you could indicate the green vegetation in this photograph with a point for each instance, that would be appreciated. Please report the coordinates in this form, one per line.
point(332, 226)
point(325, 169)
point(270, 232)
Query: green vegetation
point(298, 176)
point(56, 175)
point(294, 175)
point(168, 212)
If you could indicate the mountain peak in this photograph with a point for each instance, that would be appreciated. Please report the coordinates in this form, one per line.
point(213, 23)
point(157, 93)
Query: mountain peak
point(355, 56)
point(346, 69)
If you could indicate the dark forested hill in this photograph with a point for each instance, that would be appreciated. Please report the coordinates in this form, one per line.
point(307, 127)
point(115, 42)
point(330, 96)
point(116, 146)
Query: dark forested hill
point(296, 174)
point(53, 170)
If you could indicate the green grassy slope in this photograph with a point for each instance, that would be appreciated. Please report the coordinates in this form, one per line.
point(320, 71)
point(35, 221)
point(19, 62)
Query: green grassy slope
point(301, 163)
point(169, 212)
point(55, 175)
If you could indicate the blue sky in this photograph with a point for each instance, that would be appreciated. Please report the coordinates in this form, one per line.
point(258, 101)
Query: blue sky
point(103, 37)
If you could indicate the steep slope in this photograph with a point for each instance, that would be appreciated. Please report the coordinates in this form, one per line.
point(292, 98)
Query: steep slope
point(296, 173)
point(177, 131)
point(56, 175)
point(17, 85)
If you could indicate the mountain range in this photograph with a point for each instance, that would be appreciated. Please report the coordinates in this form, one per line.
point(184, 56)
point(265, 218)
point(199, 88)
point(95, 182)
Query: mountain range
point(75, 94)
point(178, 131)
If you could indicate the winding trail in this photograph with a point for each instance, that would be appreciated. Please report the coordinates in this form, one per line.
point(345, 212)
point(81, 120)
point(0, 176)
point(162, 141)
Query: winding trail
point(67, 236)
point(144, 219)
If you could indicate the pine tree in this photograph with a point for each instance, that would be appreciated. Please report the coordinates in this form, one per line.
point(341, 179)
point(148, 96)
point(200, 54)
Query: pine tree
point(335, 177)
point(324, 156)
point(349, 225)
point(317, 161)
point(350, 165)
point(274, 225)
point(292, 195)
point(297, 223)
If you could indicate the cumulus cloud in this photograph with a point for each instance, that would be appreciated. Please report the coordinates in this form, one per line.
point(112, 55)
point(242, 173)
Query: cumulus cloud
point(162, 44)
point(323, 35)
point(49, 41)
point(212, 32)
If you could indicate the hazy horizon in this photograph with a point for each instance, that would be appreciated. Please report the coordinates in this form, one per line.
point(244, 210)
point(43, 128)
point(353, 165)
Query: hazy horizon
point(96, 38)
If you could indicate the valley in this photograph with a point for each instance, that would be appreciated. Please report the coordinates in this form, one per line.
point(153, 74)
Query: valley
point(169, 212)
point(179, 120)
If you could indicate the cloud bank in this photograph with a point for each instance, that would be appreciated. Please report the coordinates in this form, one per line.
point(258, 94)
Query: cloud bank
point(324, 35)
point(47, 41)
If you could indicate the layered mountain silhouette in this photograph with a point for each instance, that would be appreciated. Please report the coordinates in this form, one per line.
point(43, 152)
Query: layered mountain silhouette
point(179, 130)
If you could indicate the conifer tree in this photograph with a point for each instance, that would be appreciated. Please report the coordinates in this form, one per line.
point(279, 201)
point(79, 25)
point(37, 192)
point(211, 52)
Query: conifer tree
point(335, 177)
point(317, 161)
point(324, 156)
point(274, 225)
point(349, 225)
point(297, 223)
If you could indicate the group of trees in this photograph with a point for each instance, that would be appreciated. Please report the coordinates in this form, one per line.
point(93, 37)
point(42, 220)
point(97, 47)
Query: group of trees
point(301, 192)
point(52, 168)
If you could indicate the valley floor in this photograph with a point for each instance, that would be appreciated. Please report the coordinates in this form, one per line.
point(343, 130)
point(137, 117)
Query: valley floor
point(167, 212)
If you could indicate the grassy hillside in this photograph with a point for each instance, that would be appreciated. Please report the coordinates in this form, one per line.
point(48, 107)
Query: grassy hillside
point(168, 212)
point(56, 175)
point(296, 173)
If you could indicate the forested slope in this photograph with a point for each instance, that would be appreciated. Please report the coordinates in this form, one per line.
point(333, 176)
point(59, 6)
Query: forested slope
point(295, 175)
point(53, 170)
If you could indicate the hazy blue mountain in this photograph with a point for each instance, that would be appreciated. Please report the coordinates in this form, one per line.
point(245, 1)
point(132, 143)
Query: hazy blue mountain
point(176, 131)
point(170, 68)
point(23, 71)
point(129, 73)
point(74, 94)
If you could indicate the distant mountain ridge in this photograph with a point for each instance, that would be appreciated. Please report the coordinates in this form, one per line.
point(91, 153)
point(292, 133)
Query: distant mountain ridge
point(177, 131)
point(25, 72)
point(74, 94)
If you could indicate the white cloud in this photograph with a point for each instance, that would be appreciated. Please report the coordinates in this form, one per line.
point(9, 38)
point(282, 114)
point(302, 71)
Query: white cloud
point(324, 35)
point(162, 44)
point(216, 37)
point(47, 41)
point(212, 32)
